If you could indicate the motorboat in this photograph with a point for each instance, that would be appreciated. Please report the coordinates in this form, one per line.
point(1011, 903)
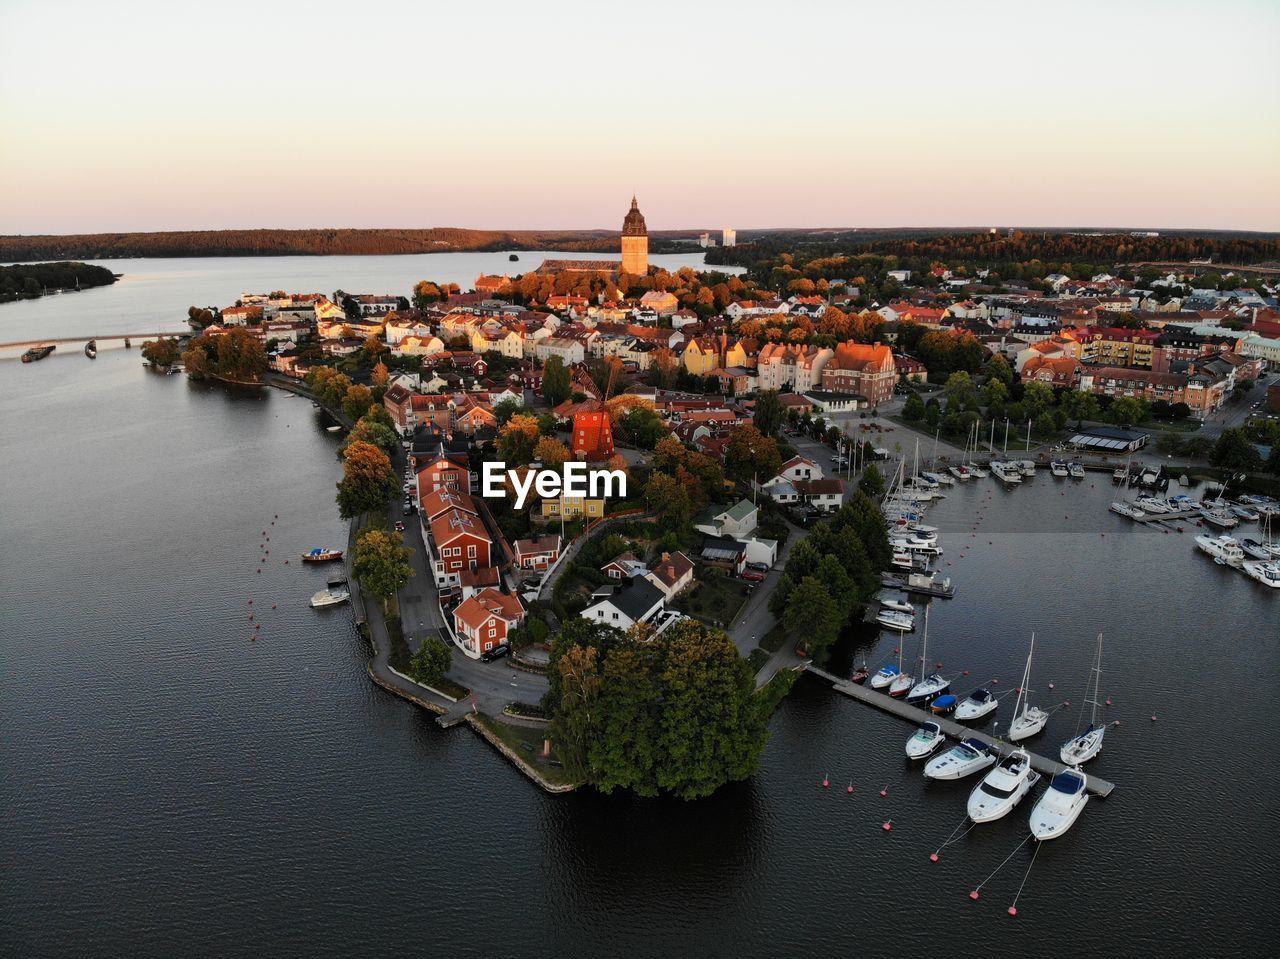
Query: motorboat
point(925, 481)
point(943, 705)
point(979, 703)
point(1245, 513)
point(913, 537)
point(332, 596)
point(885, 675)
point(1223, 549)
point(1026, 467)
point(1119, 475)
point(938, 479)
point(926, 739)
point(892, 619)
point(961, 473)
point(898, 606)
point(1268, 574)
point(1031, 719)
point(1006, 472)
point(1003, 787)
point(909, 527)
point(1184, 503)
point(905, 559)
point(1058, 468)
point(978, 472)
point(1080, 749)
point(1153, 504)
point(901, 685)
point(860, 674)
point(1060, 805)
point(1076, 470)
point(962, 759)
point(1124, 509)
point(322, 554)
point(915, 547)
point(1219, 516)
point(1260, 550)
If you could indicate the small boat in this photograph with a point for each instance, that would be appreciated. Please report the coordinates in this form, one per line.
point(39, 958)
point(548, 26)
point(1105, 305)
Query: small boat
point(1031, 719)
point(1060, 805)
point(938, 479)
point(1006, 472)
point(1153, 504)
point(924, 481)
point(1260, 550)
point(933, 685)
point(1268, 574)
point(926, 739)
point(899, 606)
point(91, 349)
point(332, 429)
point(321, 554)
point(962, 759)
point(1076, 470)
point(1003, 787)
point(959, 472)
point(885, 676)
point(335, 594)
point(1026, 467)
point(38, 352)
point(1119, 476)
point(913, 537)
point(901, 685)
point(1124, 509)
point(1246, 513)
point(860, 674)
point(892, 619)
point(1218, 516)
point(979, 703)
point(1080, 749)
point(1223, 549)
point(1184, 503)
point(1058, 468)
point(513, 258)
point(943, 705)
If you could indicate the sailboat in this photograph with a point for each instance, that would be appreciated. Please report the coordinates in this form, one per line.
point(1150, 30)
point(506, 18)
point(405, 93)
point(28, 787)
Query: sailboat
point(933, 685)
point(904, 681)
point(887, 673)
point(974, 469)
point(1031, 719)
point(1082, 748)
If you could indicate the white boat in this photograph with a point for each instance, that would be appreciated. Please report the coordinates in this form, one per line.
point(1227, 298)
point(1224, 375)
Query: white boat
point(935, 684)
point(903, 682)
point(1076, 470)
point(898, 605)
point(1153, 504)
point(1026, 467)
point(330, 597)
point(917, 530)
point(926, 739)
point(1266, 573)
point(1080, 749)
point(1058, 468)
point(1124, 509)
point(884, 676)
point(1120, 475)
point(925, 481)
point(979, 703)
point(1223, 549)
point(962, 759)
point(1246, 513)
point(959, 472)
point(1006, 472)
point(1219, 516)
point(332, 429)
point(1260, 550)
point(1184, 503)
point(1031, 719)
point(903, 622)
point(978, 472)
point(1060, 805)
point(938, 479)
point(1003, 787)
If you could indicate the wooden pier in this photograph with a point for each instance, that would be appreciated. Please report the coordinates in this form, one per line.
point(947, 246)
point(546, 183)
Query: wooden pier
point(957, 731)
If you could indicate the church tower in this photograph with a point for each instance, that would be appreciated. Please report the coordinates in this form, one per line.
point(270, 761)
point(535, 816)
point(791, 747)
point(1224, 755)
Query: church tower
point(635, 242)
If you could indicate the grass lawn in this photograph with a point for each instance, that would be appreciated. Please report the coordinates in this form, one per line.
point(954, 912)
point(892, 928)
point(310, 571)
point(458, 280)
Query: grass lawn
point(713, 599)
point(1170, 426)
point(527, 743)
point(775, 639)
point(757, 659)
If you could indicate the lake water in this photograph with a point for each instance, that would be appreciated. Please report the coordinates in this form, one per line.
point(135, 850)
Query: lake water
point(154, 294)
point(171, 786)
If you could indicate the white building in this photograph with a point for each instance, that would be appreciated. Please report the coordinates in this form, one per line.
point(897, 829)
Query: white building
point(728, 237)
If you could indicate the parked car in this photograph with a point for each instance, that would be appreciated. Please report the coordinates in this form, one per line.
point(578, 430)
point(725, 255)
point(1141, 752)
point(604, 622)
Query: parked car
point(408, 507)
point(759, 567)
point(399, 526)
point(753, 575)
point(496, 653)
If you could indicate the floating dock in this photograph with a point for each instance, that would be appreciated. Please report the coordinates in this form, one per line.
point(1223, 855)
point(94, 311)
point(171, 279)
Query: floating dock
point(957, 731)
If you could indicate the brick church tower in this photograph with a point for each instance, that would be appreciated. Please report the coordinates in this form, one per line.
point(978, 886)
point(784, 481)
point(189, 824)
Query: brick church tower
point(635, 242)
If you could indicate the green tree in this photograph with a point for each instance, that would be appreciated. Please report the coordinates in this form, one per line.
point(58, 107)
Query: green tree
point(1234, 452)
point(368, 481)
point(1127, 410)
point(750, 454)
point(1037, 397)
point(913, 409)
point(356, 401)
point(872, 482)
point(932, 412)
point(666, 496)
point(624, 753)
point(998, 368)
point(645, 427)
point(768, 413)
point(431, 661)
point(370, 431)
point(574, 724)
point(812, 618)
point(505, 410)
point(1080, 406)
point(555, 381)
point(518, 439)
point(382, 562)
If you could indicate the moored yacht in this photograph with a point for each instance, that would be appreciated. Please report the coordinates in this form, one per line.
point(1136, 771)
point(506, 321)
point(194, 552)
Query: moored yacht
point(1083, 747)
point(1124, 509)
point(1268, 574)
point(1058, 468)
point(1223, 549)
point(1245, 513)
point(1260, 550)
point(1219, 516)
point(884, 676)
point(1153, 504)
point(898, 605)
point(1026, 467)
point(1003, 787)
point(961, 473)
point(1076, 470)
point(1060, 805)
point(1031, 719)
point(926, 739)
point(979, 703)
point(335, 594)
point(962, 759)
point(892, 619)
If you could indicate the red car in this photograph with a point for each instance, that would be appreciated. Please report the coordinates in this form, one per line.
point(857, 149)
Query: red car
point(399, 526)
point(754, 575)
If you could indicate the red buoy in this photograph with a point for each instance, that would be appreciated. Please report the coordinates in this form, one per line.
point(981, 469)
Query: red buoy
point(259, 572)
point(1153, 719)
point(850, 789)
point(273, 605)
point(1013, 910)
point(965, 673)
point(250, 602)
point(825, 784)
point(933, 857)
point(885, 791)
point(887, 826)
point(1108, 702)
point(974, 894)
point(252, 638)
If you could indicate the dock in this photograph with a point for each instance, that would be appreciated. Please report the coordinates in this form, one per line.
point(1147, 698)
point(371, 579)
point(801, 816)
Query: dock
point(957, 731)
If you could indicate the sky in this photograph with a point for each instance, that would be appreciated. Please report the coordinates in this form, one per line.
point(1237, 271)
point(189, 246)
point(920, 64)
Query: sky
point(138, 115)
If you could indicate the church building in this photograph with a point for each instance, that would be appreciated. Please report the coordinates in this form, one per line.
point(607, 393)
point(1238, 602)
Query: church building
point(635, 251)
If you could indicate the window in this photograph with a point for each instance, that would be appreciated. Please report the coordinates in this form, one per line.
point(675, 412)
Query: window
point(488, 646)
point(615, 615)
point(493, 630)
point(471, 552)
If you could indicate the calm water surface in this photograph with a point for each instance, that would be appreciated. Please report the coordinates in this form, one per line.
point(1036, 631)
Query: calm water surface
point(170, 786)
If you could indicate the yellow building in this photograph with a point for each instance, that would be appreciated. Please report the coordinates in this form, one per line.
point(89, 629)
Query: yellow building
point(635, 242)
point(571, 506)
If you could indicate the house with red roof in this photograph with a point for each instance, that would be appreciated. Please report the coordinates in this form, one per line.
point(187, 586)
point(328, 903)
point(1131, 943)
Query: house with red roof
point(592, 436)
point(483, 621)
point(459, 541)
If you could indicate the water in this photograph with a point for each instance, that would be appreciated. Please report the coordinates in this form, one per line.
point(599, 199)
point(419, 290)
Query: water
point(154, 294)
point(171, 786)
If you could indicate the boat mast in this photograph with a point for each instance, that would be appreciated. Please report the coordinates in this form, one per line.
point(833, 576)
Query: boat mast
point(1023, 698)
point(1006, 439)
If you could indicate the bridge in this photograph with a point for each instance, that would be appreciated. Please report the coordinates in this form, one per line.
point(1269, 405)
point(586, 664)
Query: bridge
point(99, 337)
point(896, 707)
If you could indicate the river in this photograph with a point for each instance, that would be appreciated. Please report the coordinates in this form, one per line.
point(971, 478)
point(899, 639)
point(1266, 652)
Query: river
point(172, 786)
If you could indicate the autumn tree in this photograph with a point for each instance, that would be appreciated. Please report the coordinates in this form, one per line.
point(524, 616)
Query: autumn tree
point(368, 481)
point(749, 454)
point(356, 401)
point(669, 499)
point(161, 352)
point(382, 562)
point(551, 452)
point(517, 439)
point(381, 376)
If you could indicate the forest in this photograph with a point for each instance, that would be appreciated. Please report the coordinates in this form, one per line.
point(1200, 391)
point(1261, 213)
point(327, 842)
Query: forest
point(25, 281)
point(328, 242)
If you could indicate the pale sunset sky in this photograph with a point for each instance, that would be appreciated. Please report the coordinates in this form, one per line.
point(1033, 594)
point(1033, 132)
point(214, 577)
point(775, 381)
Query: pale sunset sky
point(136, 115)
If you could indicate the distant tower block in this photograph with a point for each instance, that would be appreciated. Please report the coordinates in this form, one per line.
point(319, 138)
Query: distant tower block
point(635, 242)
point(728, 237)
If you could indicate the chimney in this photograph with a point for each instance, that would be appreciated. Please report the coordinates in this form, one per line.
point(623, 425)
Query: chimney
point(666, 557)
